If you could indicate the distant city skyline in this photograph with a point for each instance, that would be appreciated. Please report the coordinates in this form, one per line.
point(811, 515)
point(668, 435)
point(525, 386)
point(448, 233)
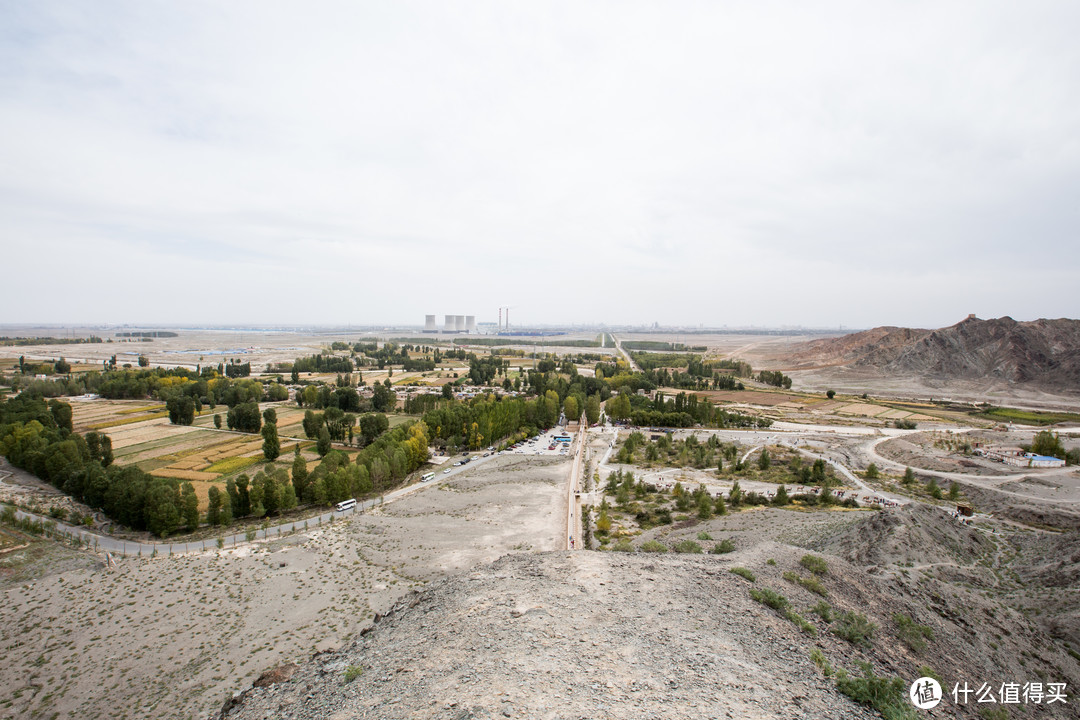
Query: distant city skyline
point(711, 164)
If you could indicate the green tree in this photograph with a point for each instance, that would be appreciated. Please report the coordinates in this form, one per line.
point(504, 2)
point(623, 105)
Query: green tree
point(872, 472)
point(270, 415)
point(214, 503)
point(705, 506)
point(954, 492)
point(592, 409)
point(735, 497)
point(571, 409)
point(781, 497)
point(299, 474)
point(830, 394)
point(242, 506)
point(383, 398)
point(191, 506)
point(161, 507)
point(61, 414)
point(719, 506)
point(323, 444)
point(764, 460)
point(1049, 444)
point(909, 476)
point(217, 421)
point(271, 446)
point(618, 407)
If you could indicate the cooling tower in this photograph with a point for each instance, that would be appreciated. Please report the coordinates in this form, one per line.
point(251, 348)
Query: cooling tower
point(448, 323)
point(470, 323)
point(429, 323)
point(459, 323)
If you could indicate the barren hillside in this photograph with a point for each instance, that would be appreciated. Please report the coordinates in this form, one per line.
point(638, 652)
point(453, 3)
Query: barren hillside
point(612, 635)
point(1042, 353)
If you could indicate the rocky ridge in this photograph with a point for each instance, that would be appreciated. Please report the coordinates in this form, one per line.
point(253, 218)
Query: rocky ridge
point(1042, 353)
point(612, 635)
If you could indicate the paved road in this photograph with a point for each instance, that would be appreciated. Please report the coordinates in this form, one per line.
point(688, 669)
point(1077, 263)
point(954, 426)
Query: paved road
point(573, 488)
point(618, 346)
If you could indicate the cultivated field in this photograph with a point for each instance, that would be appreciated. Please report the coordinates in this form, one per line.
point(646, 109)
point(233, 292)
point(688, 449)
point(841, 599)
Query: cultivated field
point(198, 453)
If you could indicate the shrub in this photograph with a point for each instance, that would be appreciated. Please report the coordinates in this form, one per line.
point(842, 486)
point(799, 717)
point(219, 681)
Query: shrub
point(704, 536)
point(884, 694)
point(352, 672)
point(623, 545)
point(810, 583)
point(872, 472)
point(823, 610)
point(927, 671)
point(743, 573)
point(653, 546)
point(770, 561)
point(819, 659)
point(724, 546)
point(854, 628)
point(688, 546)
point(912, 634)
point(814, 564)
point(800, 622)
point(771, 598)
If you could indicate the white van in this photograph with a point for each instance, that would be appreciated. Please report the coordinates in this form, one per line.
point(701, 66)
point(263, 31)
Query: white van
point(427, 476)
point(346, 505)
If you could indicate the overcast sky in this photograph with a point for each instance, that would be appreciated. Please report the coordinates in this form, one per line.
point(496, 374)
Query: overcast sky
point(717, 163)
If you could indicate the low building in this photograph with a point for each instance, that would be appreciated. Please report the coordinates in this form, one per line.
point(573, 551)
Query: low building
point(1043, 461)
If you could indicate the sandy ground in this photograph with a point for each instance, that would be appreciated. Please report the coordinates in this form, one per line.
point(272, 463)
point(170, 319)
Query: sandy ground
point(174, 637)
point(211, 346)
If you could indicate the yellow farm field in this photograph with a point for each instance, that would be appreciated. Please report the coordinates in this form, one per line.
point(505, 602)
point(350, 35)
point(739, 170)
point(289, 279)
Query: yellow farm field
point(861, 409)
point(169, 472)
point(147, 431)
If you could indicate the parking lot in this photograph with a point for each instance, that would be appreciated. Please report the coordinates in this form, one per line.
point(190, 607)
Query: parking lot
point(544, 444)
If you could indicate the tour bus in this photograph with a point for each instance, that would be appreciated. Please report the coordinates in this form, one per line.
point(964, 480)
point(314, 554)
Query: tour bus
point(561, 439)
point(427, 476)
point(346, 505)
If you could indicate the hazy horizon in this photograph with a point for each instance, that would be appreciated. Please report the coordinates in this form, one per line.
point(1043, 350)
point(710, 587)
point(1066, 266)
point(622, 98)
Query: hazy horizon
point(769, 165)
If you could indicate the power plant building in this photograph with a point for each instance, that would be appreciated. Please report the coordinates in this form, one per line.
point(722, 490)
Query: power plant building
point(451, 324)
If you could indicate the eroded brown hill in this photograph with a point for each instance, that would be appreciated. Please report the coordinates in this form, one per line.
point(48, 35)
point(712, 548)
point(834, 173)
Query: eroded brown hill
point(1042, 353)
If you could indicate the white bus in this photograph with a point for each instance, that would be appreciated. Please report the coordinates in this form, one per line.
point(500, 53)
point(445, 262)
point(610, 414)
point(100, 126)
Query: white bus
point(346, 505)
point(427, 476)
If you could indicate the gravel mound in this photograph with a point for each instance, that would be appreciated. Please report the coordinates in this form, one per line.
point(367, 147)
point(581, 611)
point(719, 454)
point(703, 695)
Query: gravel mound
point(561, 635)
point(557, 635)
point(912, 535)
